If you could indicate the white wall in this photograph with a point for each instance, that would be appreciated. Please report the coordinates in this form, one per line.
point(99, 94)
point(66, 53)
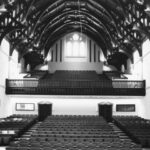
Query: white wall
point(4, 64)
point(14, 66)
point(98, 66)
point(141, 70)
point(76, 105)
point(146, 76)
point(129, 66)
point(8, 69)
point(137, 68)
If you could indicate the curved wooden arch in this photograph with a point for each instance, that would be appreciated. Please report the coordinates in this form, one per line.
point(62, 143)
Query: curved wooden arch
point(101, 39)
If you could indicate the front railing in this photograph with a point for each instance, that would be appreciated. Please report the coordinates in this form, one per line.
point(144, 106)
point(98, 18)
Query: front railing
point(75, 87)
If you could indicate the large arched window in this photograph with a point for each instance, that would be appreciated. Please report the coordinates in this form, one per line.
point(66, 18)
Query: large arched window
point(75, 46)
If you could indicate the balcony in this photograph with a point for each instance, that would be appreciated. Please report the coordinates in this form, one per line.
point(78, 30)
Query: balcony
point(75, 87)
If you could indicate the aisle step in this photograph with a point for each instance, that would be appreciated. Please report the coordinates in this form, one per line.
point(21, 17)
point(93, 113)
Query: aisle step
point(120, 133)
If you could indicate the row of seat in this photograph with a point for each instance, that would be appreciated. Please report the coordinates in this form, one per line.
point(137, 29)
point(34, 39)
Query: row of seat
point(75, 79)
point(14, 126)
point(75, 75)
point(73, 133)
point(74, 84)
point(136, 127)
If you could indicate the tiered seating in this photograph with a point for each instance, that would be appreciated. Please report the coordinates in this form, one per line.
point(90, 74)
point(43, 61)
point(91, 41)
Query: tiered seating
point(14, 126)
point(105, 81)
point(136, 127)
point(75, 83)
point(48, 76)
point(76, 79)
point(75, 75)
point(73, 133)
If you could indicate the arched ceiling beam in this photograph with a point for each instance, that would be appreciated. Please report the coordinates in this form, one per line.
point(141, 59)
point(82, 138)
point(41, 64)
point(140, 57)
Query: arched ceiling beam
point(114, 5)
point(142, 31)
point(98, 6)
point(62, 6)
point(10, 5)
point(70, 30)
point(29, 9)
point(77, 26)
point(19, 43)
point(125, 52)
point(23, 52)
point(81, 23)
point(8, 30)
point(82, 13)
point(133, 46)
point(104, 14)
point(104, 24)
point(46, 11)
point(127, 48)
point(95, 22)
point(98, 18)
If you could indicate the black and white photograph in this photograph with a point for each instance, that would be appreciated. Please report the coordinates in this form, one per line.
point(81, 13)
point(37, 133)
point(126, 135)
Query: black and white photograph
point(74, 74)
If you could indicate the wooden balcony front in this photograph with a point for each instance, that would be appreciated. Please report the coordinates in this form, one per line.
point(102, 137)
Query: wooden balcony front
point(75, 87)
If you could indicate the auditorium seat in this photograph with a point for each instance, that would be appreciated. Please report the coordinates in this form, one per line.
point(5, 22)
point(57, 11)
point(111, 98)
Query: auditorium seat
point(14, 126)
point(136, 127)
point(1, 140)
point(74, 133)
point(12, 148)
point(75, 75)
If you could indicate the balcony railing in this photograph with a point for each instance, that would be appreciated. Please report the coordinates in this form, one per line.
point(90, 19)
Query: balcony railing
point(79, 87)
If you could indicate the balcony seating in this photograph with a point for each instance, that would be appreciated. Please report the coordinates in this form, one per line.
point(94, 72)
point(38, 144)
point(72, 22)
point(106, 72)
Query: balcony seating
point(75, 79)
point(73, 133)
point(14, 126)
point(75, 83)
point(136, 127)
point(75, 75)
